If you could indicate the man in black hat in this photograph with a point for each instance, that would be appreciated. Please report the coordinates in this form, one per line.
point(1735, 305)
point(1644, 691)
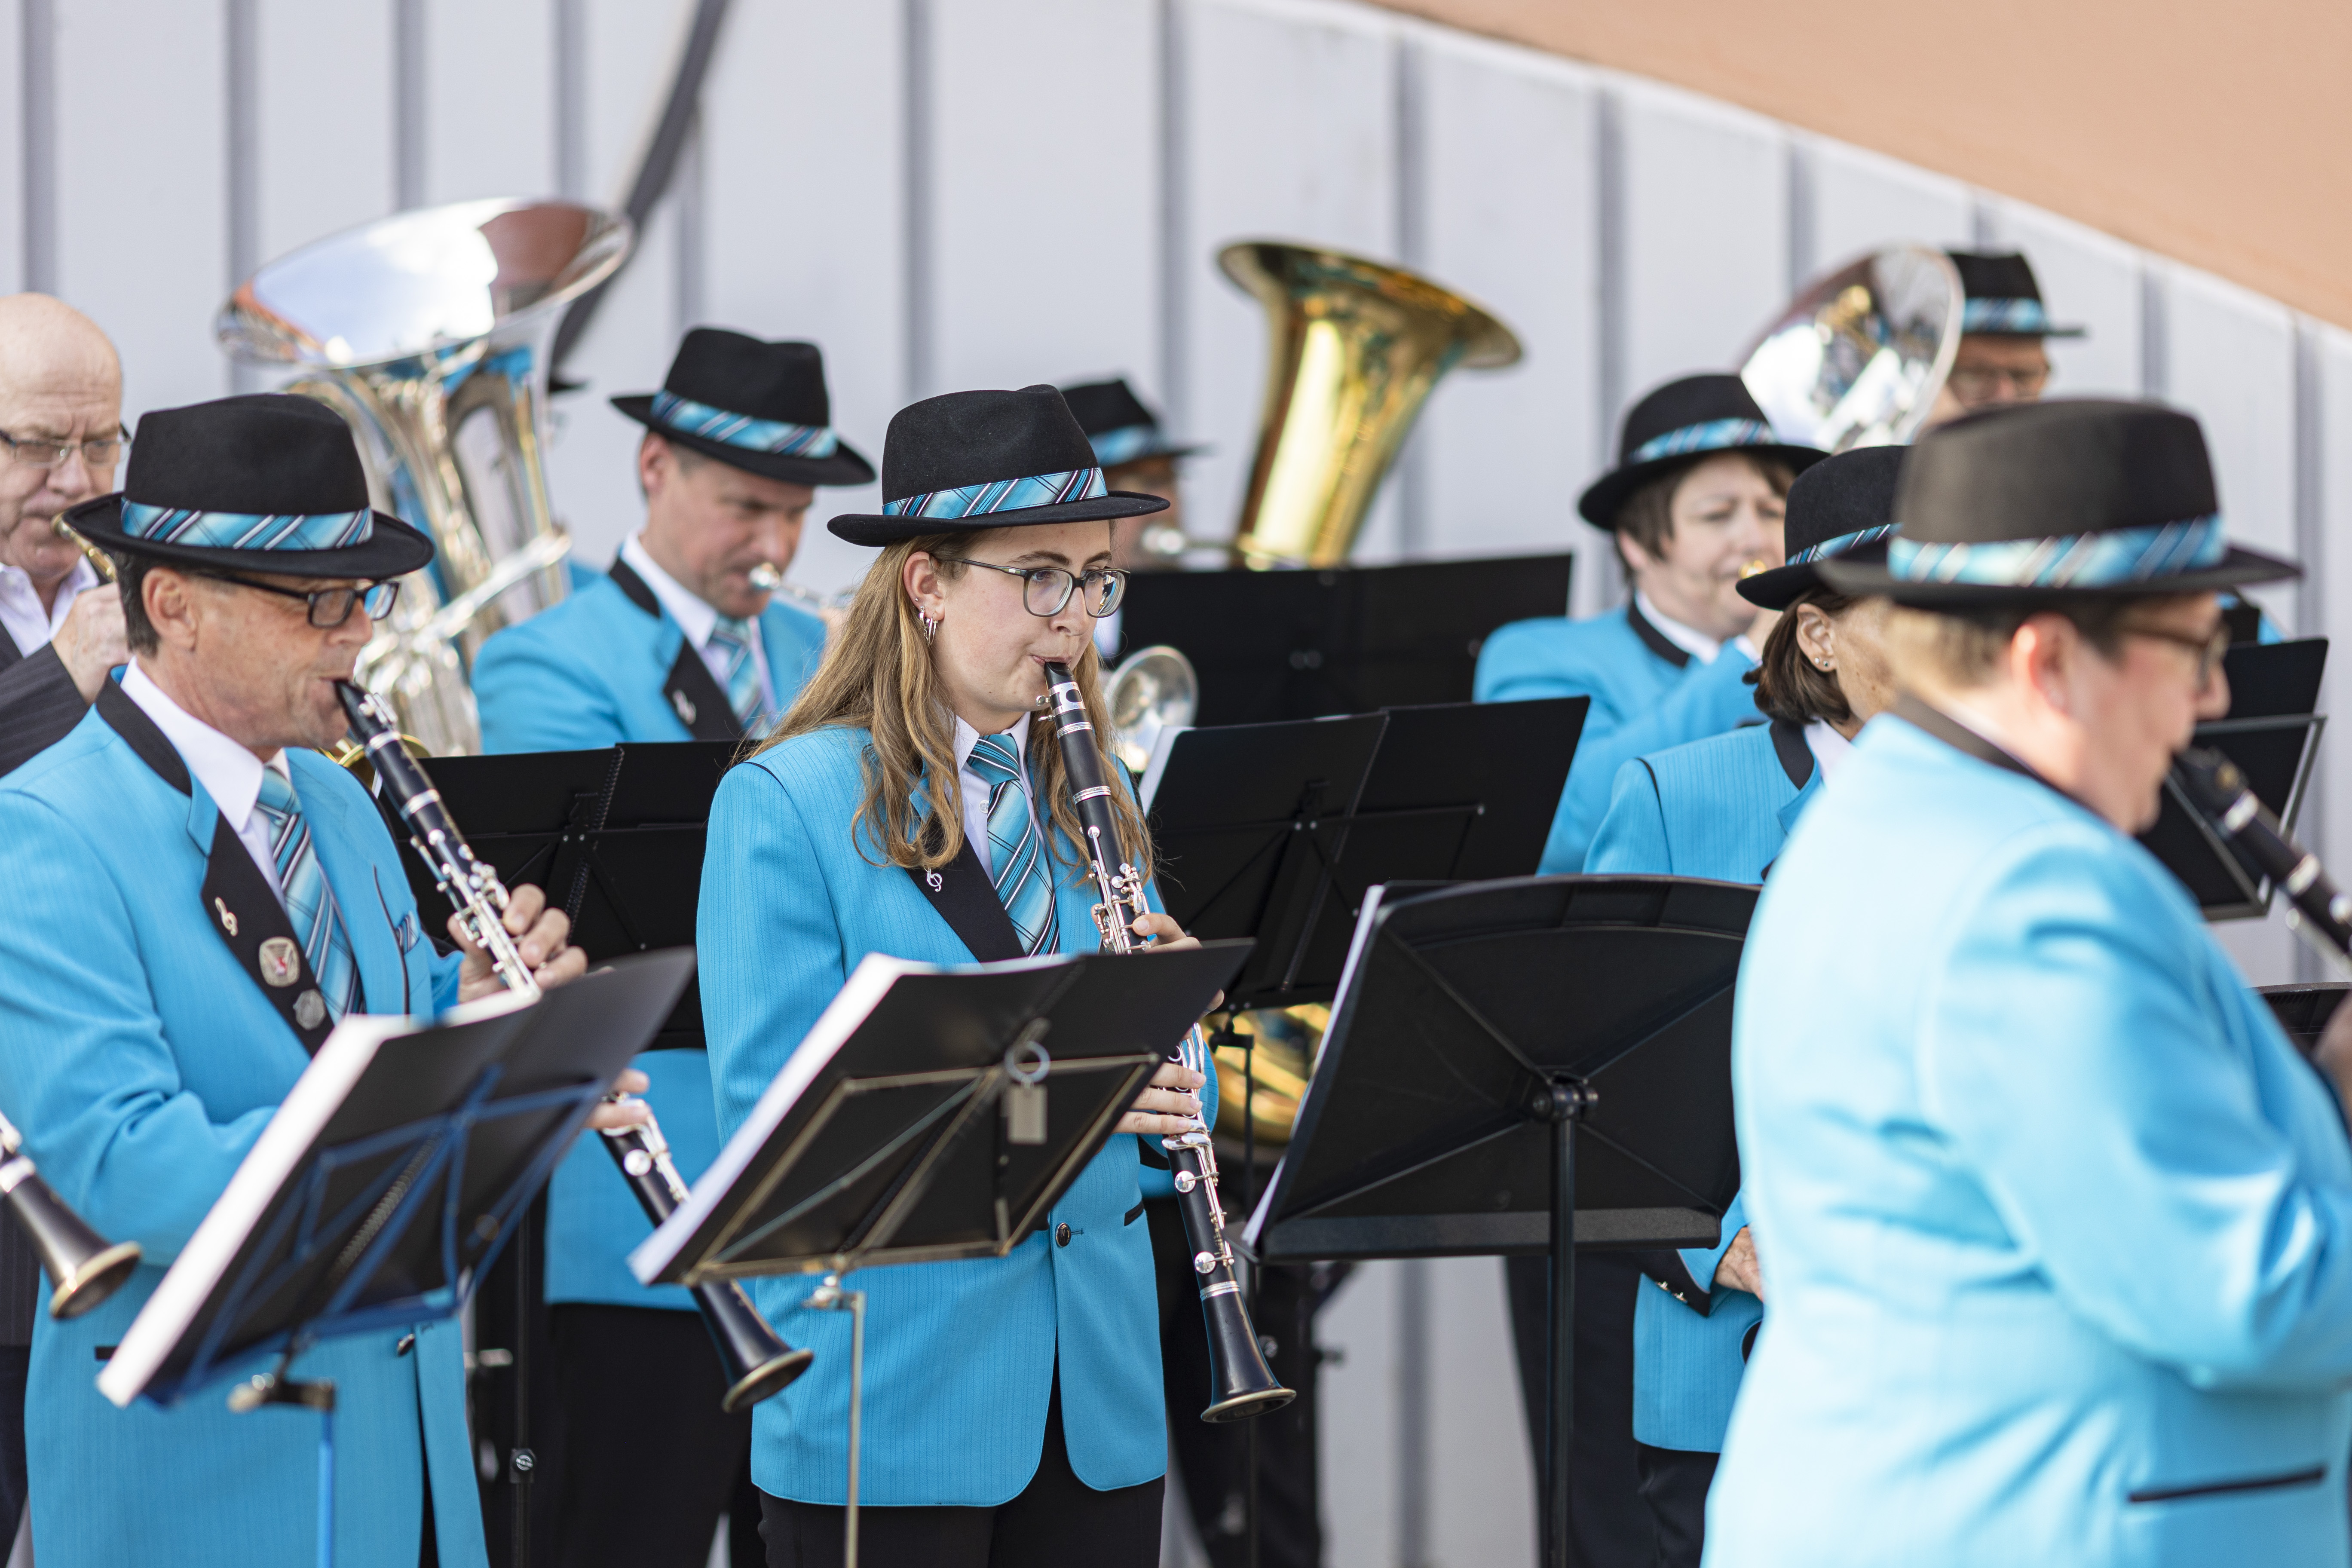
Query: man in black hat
point(199, 897)
point(684, 640)
point(2058, 1225)
point(1137, 458)
point(2003, 326)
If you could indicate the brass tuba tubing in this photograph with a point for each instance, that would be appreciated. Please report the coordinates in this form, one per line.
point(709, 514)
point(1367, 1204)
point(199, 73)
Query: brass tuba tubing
point(758, 1362)
point(1241, 1385)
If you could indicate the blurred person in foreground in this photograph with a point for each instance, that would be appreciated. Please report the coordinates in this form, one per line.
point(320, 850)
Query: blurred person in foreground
point(2057, 1223)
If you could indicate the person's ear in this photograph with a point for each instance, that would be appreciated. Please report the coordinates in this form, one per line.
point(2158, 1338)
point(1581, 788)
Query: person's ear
point(1816, 637)
point(2043, 656)
point(170, 600)
point(654, 465)
point(921, 578)
point(1630, 551)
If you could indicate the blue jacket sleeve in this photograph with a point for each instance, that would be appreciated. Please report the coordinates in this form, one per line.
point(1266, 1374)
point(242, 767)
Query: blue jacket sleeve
point(1515, 666)
point(2077, 1064)
point(1632, 837)
point(84, 1068)
point(1713, 699)
point(533, 698)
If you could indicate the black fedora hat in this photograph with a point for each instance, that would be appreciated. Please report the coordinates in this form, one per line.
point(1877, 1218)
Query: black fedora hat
point(970, 461)
point(758, 406)
point(266, 482)
point(2002, 298)
point(1843, 506)
point(1678, 424)
point(1120, 425)
point(2070, 497)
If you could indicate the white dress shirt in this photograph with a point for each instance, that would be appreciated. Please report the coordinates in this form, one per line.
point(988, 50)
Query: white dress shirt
point(974, 788)
point(1690, 639)
point(1828, 748)
point(29, 626)
point(230, 773)
point(696, 617)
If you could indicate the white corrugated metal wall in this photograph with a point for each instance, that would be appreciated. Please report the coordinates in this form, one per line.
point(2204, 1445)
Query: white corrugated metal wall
point(956, 193)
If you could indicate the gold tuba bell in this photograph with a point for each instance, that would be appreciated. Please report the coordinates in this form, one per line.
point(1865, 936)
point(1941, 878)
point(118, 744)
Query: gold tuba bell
point(1354, 348)
point(428, 331)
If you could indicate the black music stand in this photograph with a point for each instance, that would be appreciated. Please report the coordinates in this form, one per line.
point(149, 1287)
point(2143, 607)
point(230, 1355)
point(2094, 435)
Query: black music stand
point(893, 1135)
point(1527, 1066)
point(2302, 1011)
point(384, 1186)
point(2272, 732)
point(1342, 639)
point(1277, 831)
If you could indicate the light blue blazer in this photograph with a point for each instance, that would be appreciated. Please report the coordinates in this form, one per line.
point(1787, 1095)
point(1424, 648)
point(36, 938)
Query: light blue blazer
point(959, 1357)
point(1647, 694)
point(581, 676)
point(2058, 1225)
point(141, 1060)
point(1721, 808)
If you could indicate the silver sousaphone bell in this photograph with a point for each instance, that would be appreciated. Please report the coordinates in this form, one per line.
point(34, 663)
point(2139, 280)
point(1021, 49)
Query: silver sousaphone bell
point(1858, 357)
point(428, 331)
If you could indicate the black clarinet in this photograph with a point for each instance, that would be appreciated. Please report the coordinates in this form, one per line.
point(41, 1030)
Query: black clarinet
point(1241, 1384)
point(2320, 914)
point(757, 1360)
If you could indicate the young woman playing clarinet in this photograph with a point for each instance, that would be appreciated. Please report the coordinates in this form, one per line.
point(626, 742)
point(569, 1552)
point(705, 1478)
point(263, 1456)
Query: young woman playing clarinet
point(1013, 1410)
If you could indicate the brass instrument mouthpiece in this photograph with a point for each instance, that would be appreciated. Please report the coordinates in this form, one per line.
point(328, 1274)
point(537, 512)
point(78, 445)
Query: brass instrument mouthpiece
point(767, 577)
point(1753, 567)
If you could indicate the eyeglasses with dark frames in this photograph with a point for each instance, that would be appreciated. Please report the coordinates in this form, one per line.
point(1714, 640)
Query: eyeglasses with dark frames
point(328, 608)
point(2210, 649)
point(1048, 588)
point(48, 452)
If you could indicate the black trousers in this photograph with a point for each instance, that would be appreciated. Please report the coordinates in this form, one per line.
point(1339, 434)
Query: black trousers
point(649, 1461)
point(16, 1362)
point(1609, 1525)
point(1056, 1521)
point(1673, 1485)
point(1214, 1461)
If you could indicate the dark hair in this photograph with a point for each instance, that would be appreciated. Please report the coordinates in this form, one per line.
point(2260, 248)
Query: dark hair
point(1790, 686)
point(131, 575)
point(1647, 516)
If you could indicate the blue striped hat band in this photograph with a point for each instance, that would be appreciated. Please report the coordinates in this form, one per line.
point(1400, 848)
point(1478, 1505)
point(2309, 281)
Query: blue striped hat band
point(1001, 495)
point(2098, 559)
point(2004, 316)
point(1714, 435)
point(1124, 444)
point(773, 436)
point(247, 530)
point(1840, 545)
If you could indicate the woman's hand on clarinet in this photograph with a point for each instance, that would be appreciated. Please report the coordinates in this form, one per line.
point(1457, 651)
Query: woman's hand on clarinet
point(1162, 934)
point(1170, 1104)
point(630, 1112)
point(541, 936)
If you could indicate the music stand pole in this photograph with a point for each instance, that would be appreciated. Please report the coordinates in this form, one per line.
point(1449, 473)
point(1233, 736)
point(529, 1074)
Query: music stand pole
point(1566, 1106)
point(830, 1296)
point(274, 1387)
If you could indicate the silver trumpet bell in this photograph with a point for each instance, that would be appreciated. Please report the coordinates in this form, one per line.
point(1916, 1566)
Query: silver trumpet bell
point(428, 331)
point(1153, 691)
point(1858, 357)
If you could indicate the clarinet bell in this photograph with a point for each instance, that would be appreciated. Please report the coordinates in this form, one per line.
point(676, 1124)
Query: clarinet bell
point(86, 1267)
point(759, 1364)
point(1241, 1385)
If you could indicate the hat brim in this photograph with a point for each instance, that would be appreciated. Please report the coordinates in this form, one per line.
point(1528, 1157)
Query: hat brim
point(391, 549)
point(2241, 568)
point(868, 528)
point(1602, 498)
point(2012, 333)
point(1175, 450)
point(1782, 587)
point(845, 465)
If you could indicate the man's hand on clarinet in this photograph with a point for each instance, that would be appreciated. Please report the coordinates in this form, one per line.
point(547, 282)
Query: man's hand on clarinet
point(1169, 1105)
point(630, 1112)
point(541, 936)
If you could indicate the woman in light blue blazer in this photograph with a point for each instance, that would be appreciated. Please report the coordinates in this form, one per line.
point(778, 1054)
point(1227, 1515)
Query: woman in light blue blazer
point(1012, 1406)
point(1722, 807)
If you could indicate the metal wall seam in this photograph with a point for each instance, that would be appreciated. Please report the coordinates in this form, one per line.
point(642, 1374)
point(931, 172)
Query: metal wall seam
point(41, 134)
point(916, 198)
point(1409, 151)
point(409, 113)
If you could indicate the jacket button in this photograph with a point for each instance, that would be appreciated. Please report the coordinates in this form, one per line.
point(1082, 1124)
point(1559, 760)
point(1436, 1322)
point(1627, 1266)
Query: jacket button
point(1062, 1234)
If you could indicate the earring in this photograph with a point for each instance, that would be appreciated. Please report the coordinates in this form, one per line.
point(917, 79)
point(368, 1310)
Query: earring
point(1823, 662)
point(930, 626)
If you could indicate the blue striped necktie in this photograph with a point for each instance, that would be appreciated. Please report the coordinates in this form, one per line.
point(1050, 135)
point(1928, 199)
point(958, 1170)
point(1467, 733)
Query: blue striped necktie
point(1024, 877)
point(732, 635)
point(310, 902)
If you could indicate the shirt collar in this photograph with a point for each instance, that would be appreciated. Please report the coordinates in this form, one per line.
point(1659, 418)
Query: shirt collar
point(966, 738)
point(18, 584)
point(692, 612)
point(1697, 643)
point(1829, 747)
point(230, 773)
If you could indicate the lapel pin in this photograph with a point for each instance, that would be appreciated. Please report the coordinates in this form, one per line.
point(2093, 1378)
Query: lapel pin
point(310, 1009)
point(934, 878)
point(685, 706)
point(281, 960)
point(227, 920)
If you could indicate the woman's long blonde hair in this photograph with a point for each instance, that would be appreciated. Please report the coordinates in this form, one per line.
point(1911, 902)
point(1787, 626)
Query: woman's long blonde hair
point(877, 675)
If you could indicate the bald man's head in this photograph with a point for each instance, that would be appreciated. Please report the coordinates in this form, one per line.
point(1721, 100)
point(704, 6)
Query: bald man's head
point(60, 381)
